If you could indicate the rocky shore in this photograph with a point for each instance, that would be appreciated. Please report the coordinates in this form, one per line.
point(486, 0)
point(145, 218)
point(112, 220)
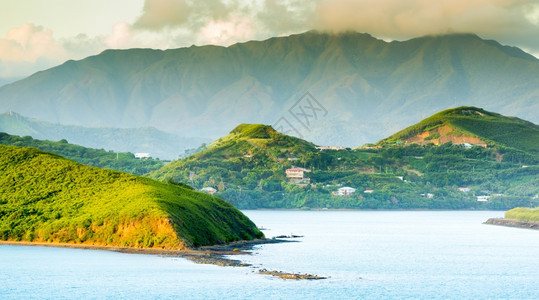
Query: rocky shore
point(512, 223)
point(294, 276)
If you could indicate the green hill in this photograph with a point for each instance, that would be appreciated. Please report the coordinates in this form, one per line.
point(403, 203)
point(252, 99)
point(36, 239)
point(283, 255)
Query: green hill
point(250, 156)
point(369, 87)
point(159, 144)
point(471, 125)
point(46, 198)
point(255, 140)
point(248, 167)
point(125, 162)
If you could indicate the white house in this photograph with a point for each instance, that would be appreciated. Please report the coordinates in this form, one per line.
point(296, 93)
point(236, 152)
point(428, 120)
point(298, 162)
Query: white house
point(322, 148)
point(368, 191)
point(344, 191)
point(142, 155)
point(464, 189)
point(482, 198)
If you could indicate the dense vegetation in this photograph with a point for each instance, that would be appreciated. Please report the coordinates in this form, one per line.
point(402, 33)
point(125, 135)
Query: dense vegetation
point(523, 214)
point(125, 162)
point(247, 168)
point(46, 198)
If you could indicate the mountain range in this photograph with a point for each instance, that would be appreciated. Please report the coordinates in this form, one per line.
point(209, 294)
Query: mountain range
point(157, 143)
point(332, 89)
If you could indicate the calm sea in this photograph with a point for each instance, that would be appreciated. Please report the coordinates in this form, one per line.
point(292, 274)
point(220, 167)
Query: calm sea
point(367, 254)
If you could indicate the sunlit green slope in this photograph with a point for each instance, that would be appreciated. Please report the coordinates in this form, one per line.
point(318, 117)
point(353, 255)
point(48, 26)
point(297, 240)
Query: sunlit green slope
point(472, 125)
point(46, 198)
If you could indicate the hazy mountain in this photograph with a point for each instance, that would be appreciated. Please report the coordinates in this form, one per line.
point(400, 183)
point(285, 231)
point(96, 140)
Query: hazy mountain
point(361, 88)
point(159, 144)
point(7, 80)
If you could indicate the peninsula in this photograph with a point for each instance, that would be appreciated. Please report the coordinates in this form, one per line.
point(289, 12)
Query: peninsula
point(45, 198)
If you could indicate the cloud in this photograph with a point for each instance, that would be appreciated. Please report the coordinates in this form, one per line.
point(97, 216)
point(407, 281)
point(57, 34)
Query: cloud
point(121, 37)
point(287, 17)
point(28, 43)
point(228, 32)
point(158, 14)
point(181, 22)
point(514, 21)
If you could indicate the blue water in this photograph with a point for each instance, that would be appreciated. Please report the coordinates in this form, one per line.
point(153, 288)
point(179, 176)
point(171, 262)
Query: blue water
point(367, 254)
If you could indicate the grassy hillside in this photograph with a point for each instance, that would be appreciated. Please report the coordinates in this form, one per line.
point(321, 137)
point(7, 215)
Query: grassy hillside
point(250, 156)
point(369, 87)
point(125, 162)
point(523, 214)
point(46, 198)
point(473, 125)
point(159, 144)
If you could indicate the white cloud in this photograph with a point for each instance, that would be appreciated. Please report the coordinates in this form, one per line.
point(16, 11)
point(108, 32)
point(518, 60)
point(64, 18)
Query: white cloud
point(228, 32)
point(121, 36)
point(27, 43)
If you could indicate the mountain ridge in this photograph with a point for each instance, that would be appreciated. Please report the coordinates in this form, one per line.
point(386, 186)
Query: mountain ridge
point(159, 144)
point(370, 87)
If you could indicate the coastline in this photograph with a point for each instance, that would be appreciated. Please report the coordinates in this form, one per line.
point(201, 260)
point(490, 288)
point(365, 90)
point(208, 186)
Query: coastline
point(512, 223)
point(214, 254)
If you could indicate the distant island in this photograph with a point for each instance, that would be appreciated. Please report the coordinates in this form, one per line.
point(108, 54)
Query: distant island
point(461, 158)
point(45, 198)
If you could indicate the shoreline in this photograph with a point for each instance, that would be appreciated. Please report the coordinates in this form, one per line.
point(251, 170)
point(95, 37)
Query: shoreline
point(215, 251)
point(369, 209)
point(512, 223)
point(214, 255)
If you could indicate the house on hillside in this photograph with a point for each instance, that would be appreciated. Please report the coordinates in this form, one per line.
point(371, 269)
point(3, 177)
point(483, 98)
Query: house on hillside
point(464, 189)
point(368, 191)
point(483, 198)
point(296, 173)
point(344, 191)
point(322, 148)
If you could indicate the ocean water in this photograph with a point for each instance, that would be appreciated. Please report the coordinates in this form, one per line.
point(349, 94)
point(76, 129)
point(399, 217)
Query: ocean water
point(366, 254)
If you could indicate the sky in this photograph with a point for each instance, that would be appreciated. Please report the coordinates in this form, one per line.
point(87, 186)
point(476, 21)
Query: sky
point(38, 34)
